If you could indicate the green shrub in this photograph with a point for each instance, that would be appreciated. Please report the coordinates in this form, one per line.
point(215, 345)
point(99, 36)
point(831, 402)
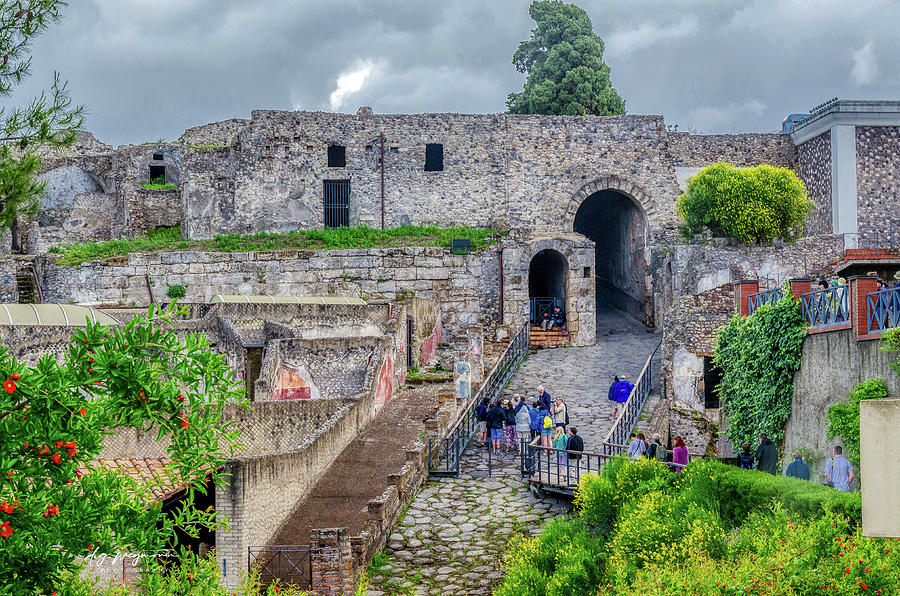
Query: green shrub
point(890, 342)
point(758, 356)
point(843, 417)
point(748, 204)
point(159, 184)
point(175, 292)
point(599, 498)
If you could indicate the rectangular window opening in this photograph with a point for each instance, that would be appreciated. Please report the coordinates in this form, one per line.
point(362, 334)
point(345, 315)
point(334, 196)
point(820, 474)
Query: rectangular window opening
point(434, 157)
point(157, 157)
point(157, 172)
point(253, 364)
point(712, 376)
point(587, 272)
point(337, 156)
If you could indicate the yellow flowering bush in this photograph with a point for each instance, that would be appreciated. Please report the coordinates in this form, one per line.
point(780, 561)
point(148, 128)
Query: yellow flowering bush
point(748, 204)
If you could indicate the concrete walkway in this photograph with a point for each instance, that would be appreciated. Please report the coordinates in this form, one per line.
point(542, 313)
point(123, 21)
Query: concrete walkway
point(454, 534)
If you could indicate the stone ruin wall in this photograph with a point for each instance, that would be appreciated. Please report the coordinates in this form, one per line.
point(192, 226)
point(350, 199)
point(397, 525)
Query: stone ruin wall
point(878, 184)
point(815, 171)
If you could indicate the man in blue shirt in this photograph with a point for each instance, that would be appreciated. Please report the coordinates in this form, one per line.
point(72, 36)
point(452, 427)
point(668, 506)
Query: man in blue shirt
point(797, 468)
point(839, 471)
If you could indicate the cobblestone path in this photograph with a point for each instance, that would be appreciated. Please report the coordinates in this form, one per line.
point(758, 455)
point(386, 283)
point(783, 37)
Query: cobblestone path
point(454, 534)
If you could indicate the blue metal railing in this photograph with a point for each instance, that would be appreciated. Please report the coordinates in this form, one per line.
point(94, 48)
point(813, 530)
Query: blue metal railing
point(631, 409)
point(445, 453)
point(827, 307)
point(767, 297)
point(543, 305)
point(883, 310)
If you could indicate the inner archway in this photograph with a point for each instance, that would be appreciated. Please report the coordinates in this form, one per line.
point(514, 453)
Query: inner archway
point(618, 228)
point(547, 276)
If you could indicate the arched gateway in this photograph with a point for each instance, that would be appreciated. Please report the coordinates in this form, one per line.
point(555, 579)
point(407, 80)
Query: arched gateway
point(547, 276)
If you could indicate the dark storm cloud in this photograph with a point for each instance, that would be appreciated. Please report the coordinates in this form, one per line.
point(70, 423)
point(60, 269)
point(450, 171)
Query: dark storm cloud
point(149, 69)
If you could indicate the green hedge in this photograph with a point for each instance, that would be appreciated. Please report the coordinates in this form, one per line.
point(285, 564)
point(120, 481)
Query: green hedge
point(736, 493)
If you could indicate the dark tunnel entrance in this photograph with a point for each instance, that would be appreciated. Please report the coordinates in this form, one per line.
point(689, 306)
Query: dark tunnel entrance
point(616, 225)
point(547, 276)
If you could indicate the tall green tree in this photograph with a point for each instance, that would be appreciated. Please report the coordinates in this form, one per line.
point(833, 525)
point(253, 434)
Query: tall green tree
point(47, 121)
point(564, 65)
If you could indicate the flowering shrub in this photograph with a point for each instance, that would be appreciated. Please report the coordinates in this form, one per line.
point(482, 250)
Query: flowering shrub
point(747, 204)
point(670, 534)
point(53, 418)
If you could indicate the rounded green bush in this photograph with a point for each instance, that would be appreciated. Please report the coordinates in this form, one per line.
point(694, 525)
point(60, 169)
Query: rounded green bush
point(748, 204)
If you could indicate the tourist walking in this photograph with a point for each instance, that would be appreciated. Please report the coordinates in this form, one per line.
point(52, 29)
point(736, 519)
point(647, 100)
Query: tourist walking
point(560, 442)
point(839, 471)
point(797, 468)
point(745, 458)
point(622, 391)
point(560, 413)
point(536, 419)
point(766, 456)
point(481, 416)
point(495, 422)
point(656, 450)
point(546, 427)
point(511, 438)
point(523, 419)
point(544, 397)
point(680, 453)
point(636, 447)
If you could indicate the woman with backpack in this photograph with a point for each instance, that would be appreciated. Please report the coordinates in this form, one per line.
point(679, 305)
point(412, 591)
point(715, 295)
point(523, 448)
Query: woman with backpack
point(546, 426)
point(523, 419)
point(495, 419)
point(481, 416)
point(560, 441)
point(656, 450)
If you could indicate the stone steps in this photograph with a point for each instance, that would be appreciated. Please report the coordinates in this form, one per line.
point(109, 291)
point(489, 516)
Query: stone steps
point(546, 339)
point(27, 290)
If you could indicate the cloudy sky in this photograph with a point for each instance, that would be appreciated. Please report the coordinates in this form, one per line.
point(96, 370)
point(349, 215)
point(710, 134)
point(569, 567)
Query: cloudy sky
point(148, 69)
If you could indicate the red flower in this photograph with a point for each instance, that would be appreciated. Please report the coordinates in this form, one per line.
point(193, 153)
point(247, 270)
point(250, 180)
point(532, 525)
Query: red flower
point(9, 385)
point(184, 423)
point(55, 459)
point(15, 376)
point(51, 510)
point(58, 444)
point(5, 529)
point(863, 586)
point(90, 370)
point(847, 570)
point(90, 359)
point(180, 397)
point(10, 473)
point(7, 508)
point(81, 411)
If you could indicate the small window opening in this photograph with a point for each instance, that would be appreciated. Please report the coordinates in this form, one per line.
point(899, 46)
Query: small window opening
point(157, 157)
point(157, 172)
point(337, 156)
point(712, 376)
point(394, 149)
point(587, 272)
point(434, 157)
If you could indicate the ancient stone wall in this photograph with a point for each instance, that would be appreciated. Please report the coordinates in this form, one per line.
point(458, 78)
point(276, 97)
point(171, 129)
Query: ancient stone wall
point(747, 149)
point(694, 294)
point(466, 286)
point(815, 171)
point(878, 185)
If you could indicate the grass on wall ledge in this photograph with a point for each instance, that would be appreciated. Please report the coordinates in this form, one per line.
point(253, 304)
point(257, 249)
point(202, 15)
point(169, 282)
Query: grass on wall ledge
point(169, 239)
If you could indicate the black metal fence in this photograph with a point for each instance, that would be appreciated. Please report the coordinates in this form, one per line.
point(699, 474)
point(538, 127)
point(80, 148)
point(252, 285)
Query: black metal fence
point(444, 453)
point(631, 409)
point(336, 203)
point(290, 564)
point(543, 305)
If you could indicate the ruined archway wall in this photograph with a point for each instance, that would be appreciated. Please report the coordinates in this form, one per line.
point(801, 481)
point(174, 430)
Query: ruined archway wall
point(580, 298)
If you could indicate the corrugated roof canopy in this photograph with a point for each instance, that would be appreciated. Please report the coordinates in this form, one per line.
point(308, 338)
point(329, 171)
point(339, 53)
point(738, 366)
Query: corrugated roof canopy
point(68, 315)
point(263, 299)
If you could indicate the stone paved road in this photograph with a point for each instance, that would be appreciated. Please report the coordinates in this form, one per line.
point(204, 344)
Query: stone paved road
point(454, 534)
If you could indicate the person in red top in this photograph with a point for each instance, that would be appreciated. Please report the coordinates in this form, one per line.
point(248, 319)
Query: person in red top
point(679, 453)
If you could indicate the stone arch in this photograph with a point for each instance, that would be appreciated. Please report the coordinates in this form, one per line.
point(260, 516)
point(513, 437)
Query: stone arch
point(609, 182)
point(548, 274)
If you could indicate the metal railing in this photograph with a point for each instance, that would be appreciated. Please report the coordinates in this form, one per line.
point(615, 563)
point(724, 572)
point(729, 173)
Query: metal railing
point(561, 470)
point(631, 409)
point(290, 564)
point(766, 297)
point(883, 310)
point(543, 305)
point(826, 307)
point(444, 453)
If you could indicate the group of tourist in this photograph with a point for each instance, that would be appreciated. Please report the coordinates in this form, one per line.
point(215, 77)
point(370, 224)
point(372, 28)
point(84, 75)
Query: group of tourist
point(639, 447)
point(505, 423)
point(838, 470)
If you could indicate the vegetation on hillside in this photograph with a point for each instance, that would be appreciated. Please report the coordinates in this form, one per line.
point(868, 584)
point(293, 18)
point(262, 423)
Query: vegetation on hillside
point(159, 184)
point(712, 529)
point(169, 239)
point(563, 61)
point(747, 204)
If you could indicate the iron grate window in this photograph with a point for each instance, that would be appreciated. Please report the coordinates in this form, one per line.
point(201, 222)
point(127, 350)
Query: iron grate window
point(337, 203)
point(434, 157)
point(337, 156)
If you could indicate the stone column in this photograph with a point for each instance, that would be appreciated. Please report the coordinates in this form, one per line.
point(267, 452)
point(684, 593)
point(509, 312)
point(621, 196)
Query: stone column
point(742, 291)
point(475, 354)
point(333, 564)
point(860, 285)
